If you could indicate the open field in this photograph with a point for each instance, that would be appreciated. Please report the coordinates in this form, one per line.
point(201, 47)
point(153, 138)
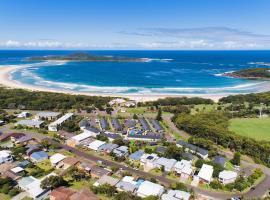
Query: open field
point(256, 128)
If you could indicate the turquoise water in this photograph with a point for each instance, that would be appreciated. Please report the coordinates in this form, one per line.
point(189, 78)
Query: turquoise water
point(167, 72)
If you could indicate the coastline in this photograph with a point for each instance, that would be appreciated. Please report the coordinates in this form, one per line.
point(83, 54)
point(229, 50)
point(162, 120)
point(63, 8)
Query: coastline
point(5, 81)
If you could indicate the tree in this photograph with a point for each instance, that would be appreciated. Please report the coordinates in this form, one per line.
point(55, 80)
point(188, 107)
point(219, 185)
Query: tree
point(135, 116)
point(53, 182)
point(5, 188)
point(236, 159)
point(159, 115)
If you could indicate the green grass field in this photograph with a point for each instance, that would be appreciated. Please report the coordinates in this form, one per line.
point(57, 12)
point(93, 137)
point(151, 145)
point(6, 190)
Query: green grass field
point(256, 128)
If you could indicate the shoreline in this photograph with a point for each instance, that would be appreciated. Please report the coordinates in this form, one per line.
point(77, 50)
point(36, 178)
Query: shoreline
point(5, 81)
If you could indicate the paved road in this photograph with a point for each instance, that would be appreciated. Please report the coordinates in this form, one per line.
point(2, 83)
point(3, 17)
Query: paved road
point(173, 128)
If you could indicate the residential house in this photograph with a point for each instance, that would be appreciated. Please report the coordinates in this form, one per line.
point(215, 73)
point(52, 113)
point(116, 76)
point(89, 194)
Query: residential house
point(205, 173)
point(184, 169)
point(143, 136)
point(136, 156)
point(5, 156)
point(68, 162)
point(227, 176)
point(220, 160)
point(127, 184)
point(54, 126)
point(30, 123)
point(116, 124)
point(168, 164)
point(121, 151)
point(97, 172)
point(32, 148)
point(144, 124)
point(77, 139)
point(47, 115)
point(148, 188)
point(108, 147)
point(111, 136)
point(83, 194)
point(23, 140)
point(38, 156)
point(106, 180)
point(24, 114)
point(95, 145)
point(32, 187)
point(56, 158)
point(156, 125)
point(176, 195)
point(192, 148)
point(61, 193)
point(104, 124)
point(84, 123)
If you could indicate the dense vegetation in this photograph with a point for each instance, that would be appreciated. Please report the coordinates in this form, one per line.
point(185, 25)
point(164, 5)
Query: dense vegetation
point(86, 57)
point(254, 98)
point(174, 101)
point(22, 99)
point(253, 73)
point(214, 126)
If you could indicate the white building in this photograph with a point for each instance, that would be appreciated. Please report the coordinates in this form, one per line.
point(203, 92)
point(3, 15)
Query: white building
point(227, 177)
point(56, 158)
point(30, 123)
point(47, 115)
point(168, 164)
point(184, 168)
point(55, 125)
point(24, 114)
point(77, 139)
point(32, 187)
point(148, 161)
point(95, 145)
point(205, 173)
point(117, 101)
point(148, 188)
point(5, 156)
point(176, 195)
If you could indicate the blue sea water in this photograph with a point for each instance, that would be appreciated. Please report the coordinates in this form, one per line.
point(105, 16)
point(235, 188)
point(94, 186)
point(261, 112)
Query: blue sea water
point(167, 72)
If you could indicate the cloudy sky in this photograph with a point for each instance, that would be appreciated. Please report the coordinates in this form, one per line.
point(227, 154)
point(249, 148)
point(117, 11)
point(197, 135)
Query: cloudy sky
point(135, 24)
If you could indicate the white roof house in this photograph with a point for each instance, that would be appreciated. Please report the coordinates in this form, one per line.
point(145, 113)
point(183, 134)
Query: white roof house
point(176, 195)
point(183, 166)
point(54, 125)
point(148, 157)
point(5, 156)
point(32, 186)
point(80, 137)
point(227, 176)
point(167, 163)
point(95, 145)
point(148, 188)
point(206, 173)
point(23, 114)
point(17, 169)
point(30, 123)
point(56, 158)
point(47, 115)
point(117, 101)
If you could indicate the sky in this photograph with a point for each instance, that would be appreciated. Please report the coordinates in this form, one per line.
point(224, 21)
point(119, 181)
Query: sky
point(135, 24)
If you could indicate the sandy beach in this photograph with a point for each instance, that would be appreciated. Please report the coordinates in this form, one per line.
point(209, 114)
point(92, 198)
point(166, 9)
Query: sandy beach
point(6, 81)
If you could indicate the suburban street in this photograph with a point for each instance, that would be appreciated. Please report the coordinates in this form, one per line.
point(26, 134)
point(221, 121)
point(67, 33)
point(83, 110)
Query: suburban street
point(258, 191)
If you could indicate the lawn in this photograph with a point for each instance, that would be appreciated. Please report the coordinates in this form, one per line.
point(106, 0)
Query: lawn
point(257, 128)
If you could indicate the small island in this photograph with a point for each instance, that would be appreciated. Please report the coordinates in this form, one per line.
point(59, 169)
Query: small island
point(85, 57)
point(253, 73)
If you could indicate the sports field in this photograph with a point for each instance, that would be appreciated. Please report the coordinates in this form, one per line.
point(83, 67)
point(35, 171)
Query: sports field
point(256, 128)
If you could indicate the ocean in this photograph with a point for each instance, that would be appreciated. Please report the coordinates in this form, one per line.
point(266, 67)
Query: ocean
point(166, 72)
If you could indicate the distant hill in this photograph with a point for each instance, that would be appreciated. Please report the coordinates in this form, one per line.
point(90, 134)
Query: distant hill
point(253, 73)
point(85, 57)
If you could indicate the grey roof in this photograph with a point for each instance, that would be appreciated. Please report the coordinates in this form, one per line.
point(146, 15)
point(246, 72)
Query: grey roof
point(130, 123)
point(30, 122)
point(84, 123)
point(39, 156)
point(121, 151)
point(219, 160)
point(108, 147)
point(156, 125)
point(24, 139)
point(187, 156)
point(117, 126)
point(154, 136)
point(47, 114)
point(144, 124)
point(126, 186)
point(161, 149)
point(93, 129)
point(192, 147)
point(104, 124)
point(111, 135)
point(136, 155)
